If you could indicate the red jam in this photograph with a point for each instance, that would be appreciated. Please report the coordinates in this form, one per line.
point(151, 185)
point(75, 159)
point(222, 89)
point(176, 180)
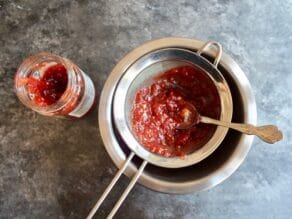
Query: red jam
point(49, 88)
point(158, 111)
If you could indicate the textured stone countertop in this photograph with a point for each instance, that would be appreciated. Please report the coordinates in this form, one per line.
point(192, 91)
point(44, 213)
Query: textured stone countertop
point(54, 168)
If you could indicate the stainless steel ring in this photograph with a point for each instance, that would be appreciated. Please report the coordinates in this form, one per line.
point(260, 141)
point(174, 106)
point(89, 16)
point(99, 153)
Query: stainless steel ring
point(140, 73)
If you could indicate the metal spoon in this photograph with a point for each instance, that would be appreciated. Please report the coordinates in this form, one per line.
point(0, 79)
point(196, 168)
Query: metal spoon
point(268, 133)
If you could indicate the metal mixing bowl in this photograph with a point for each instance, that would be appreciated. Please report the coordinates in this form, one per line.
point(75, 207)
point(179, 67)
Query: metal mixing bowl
point(212, 170)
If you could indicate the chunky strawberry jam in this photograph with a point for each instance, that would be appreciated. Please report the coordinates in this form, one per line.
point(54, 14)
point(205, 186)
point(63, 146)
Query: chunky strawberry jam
point(49, 88)
point(158, 110)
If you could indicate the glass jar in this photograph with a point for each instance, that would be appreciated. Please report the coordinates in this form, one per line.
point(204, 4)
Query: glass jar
point(54, 86)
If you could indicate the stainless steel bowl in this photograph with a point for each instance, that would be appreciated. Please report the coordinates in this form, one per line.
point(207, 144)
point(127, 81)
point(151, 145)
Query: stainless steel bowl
point(141, 73)
point(212, 170)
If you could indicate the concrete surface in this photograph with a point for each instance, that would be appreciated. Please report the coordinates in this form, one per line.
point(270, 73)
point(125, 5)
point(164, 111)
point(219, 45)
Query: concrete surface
point(52, 168)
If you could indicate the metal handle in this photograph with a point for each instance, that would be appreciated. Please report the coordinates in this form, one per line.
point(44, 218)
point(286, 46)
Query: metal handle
point(111, 185)
point(268, 133)
point(219, 53)
point(127, 190)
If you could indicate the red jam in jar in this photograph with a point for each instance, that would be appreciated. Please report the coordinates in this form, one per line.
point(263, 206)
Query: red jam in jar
point(157, 111)
point(54, 86)
point(50, 87)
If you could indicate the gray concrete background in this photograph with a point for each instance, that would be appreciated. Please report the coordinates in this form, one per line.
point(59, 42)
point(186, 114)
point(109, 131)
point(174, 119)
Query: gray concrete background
point(52, 168)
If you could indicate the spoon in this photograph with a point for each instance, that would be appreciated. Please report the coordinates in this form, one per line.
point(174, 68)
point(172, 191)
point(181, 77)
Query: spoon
point(268, 133)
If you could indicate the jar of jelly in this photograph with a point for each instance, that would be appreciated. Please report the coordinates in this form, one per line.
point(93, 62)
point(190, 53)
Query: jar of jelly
point(54, 86)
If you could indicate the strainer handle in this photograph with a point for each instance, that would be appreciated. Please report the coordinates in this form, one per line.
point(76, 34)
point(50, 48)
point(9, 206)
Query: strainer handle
point(127, 190)
point(111, 185)
point(219, 53)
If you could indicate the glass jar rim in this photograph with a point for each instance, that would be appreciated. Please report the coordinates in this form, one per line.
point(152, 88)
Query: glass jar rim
point(72, 71)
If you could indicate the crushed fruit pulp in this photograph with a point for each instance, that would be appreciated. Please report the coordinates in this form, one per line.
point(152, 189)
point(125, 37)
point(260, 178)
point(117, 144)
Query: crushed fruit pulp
point(158, 110)
point(49, 87)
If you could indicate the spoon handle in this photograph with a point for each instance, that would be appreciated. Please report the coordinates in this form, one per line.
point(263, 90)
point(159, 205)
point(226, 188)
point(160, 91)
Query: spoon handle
point(268, 133)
